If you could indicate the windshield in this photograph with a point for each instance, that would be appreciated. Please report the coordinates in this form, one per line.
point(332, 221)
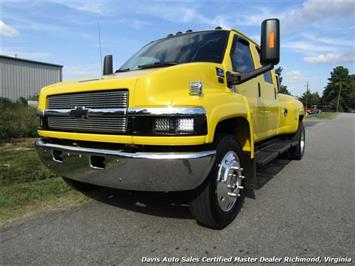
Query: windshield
point(205, 46)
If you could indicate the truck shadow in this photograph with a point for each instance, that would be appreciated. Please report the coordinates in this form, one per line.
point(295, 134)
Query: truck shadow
point(266, 173)
point(172, 205)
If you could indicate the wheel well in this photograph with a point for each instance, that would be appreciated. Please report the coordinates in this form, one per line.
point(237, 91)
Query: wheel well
point(238, 127)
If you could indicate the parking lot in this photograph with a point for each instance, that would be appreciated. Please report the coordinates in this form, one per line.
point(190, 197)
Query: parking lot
point(304, 208)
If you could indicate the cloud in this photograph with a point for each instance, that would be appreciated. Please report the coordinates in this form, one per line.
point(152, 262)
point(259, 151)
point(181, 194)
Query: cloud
point(326, 58)
point(294, 75)
point(95, 7)
point(75, 72)
point(23, 24)
point(311, 12)
point(169, 11)
point(294, 80)
point(181, 14)
point(304, 46)
point(6, 30)
point(328, 40)
point(319, 9)
point(260, 13)
point(25, 53)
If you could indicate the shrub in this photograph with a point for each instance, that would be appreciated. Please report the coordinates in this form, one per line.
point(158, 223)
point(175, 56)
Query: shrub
point(22, 101)
point(5, 103)
point(16, 120)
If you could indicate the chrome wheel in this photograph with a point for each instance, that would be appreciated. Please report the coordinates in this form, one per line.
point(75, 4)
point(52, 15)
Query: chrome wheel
point(229, 181)
point(302, 139)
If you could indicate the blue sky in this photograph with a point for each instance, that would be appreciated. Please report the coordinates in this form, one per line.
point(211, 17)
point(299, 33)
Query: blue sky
point(316, 35)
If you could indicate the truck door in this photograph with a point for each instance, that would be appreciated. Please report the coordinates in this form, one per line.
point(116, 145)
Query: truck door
point(269, 95)
point(271, 102)
point(242, 62)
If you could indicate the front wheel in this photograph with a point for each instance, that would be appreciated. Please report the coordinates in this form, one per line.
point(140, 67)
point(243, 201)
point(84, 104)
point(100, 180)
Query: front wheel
point(217, 201)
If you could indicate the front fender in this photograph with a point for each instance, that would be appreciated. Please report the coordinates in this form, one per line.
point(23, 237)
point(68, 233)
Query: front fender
point(237, 108)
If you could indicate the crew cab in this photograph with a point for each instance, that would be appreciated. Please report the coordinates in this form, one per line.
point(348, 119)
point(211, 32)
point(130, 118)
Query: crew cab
point(195, 111)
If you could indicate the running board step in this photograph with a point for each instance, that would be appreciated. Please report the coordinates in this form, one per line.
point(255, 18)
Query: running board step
point(266, 154)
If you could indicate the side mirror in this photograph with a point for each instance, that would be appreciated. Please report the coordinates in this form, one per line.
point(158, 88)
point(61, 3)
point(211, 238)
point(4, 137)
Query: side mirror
point(270, 52)
point(108, 67)
point(270, 42)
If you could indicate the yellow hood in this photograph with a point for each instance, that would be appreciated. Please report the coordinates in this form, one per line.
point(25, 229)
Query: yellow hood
point(165, 86)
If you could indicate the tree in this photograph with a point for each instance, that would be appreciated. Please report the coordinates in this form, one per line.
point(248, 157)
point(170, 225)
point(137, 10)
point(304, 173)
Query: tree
point(282, 89)
point(340, 90)
point(310, 98)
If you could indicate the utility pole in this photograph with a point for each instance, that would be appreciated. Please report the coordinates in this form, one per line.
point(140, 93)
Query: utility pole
point(339, 93)
point(307, 92)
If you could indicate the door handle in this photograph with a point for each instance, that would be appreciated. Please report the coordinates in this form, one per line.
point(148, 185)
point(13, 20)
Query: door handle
point(259, 90)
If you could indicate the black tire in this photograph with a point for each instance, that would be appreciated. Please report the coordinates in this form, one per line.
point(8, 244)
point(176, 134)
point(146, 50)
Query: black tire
point(80, 186)
point(296, 152)
point(204, 206)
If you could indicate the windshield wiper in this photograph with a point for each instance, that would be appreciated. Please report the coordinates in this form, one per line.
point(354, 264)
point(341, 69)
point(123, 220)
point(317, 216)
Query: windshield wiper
point(157, 64)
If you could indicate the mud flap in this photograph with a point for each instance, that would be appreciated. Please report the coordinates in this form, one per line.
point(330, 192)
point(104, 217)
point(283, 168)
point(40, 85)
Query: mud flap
point(251, 181)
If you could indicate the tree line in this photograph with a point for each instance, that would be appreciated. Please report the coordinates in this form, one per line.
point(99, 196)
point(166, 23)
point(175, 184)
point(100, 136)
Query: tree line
point(339, 94)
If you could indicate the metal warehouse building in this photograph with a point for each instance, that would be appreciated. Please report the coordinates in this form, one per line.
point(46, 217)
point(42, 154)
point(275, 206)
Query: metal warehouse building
point(24, 78)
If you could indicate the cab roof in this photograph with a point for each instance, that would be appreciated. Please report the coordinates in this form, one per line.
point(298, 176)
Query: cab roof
point(193, 32)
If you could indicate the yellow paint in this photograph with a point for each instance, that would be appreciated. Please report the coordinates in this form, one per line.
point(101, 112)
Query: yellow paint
point(169, 87)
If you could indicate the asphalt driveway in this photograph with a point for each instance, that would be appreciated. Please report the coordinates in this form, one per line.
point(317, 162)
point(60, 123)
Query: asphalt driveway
point(304, 208)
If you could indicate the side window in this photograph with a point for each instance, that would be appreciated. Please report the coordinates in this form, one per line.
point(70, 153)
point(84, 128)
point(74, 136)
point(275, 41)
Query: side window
point(242, 60)
point(267, 77)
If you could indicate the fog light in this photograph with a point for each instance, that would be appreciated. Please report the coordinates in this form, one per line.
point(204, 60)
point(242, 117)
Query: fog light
point(185, 124)
point(162, 124)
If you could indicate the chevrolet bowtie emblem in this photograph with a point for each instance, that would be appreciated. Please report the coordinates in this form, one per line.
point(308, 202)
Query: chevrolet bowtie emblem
point(79, 112)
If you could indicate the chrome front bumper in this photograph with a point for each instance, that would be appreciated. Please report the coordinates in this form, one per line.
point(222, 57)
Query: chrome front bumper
point(141, 171)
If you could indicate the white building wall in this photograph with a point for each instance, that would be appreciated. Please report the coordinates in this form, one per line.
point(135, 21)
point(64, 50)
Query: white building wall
point(22, 78)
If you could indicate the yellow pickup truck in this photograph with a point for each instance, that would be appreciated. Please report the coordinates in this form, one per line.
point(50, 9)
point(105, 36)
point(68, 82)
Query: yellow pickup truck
point(195, 111)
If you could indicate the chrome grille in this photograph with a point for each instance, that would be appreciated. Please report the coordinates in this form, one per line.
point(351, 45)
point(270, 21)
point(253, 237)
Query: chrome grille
point(98, 119)
point(100, 99)
point(92, 124)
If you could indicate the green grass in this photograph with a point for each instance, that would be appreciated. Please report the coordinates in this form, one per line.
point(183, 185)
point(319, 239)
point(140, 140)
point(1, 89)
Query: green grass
point(323, 115)
point(20, 164)
point(27, 186)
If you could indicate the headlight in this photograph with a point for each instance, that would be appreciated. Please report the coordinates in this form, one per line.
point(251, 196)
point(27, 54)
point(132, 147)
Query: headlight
point(173, 125)
point(162, 125)
point(185, 125)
